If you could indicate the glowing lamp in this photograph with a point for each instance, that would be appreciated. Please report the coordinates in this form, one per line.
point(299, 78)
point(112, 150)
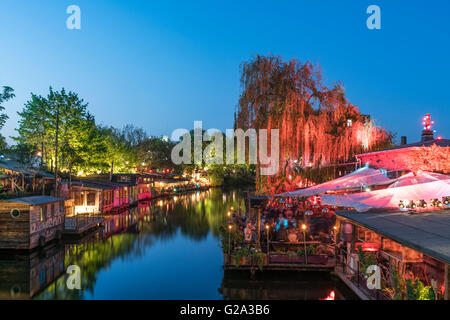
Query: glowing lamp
point(228, 213)
point(303, 227)
point(267, 227)
point(368, 246)
point(421, 204)
point(436, 203)
point(446, 201)
point(230, 227)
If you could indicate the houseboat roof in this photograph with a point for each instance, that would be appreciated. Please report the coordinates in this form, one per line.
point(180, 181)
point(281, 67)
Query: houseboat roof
point(439, 142)
point(16, 166)
point(426, 232)
point(36, 200)
point(99, 184)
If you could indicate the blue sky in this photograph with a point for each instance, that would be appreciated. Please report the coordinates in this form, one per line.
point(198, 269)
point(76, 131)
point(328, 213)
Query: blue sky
point(161, 65)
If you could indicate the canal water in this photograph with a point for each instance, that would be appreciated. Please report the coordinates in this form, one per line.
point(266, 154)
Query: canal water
point(167, 249)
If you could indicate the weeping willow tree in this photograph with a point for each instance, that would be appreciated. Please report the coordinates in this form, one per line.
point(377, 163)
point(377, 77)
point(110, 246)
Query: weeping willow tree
point(317, 125)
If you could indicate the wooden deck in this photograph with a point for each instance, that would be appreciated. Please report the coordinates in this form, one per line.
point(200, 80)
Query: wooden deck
point(272, 264)
point(81, 223)
point(360, 293)
point(284, 267)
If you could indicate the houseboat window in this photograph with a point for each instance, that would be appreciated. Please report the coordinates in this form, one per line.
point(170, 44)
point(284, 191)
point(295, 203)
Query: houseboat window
point(43, 216)
point(15, 213)
point(42, 277)
point(61, 207)
point(79, 199)
point(109, 197)
point(392, 248)
point(117, 194)
point(91, 199)
point(52, 211)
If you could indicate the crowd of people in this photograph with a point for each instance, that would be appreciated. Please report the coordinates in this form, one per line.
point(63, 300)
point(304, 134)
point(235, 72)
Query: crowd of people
point(289, 220)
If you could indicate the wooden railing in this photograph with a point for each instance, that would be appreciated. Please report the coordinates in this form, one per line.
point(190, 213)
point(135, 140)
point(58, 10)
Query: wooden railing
point(81, 221)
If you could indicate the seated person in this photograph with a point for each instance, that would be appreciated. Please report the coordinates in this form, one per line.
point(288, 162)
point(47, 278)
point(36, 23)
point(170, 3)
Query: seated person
point(292, 236)
point(248, 234)
point(282, 234)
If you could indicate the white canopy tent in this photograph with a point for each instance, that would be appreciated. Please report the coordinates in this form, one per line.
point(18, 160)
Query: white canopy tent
point(422, 186)
point(361, 178)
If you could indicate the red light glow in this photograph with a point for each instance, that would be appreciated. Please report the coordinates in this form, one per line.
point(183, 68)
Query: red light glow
point(331, 296)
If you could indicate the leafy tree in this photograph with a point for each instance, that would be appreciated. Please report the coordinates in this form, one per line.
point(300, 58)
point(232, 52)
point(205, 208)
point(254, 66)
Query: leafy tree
point(7, 94)
point(155, 153)
point(33, 125)
point(56, 122)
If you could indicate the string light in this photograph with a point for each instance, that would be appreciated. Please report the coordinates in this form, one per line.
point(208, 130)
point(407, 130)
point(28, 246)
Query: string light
point(421, 204)
point(435, 203)
point(446, 200)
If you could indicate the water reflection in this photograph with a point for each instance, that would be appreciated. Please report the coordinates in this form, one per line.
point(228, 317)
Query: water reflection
point(167, 249)
point(284, 286)
point(160, 233)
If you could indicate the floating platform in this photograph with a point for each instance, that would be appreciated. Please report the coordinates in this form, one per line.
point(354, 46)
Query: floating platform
point(80, 224)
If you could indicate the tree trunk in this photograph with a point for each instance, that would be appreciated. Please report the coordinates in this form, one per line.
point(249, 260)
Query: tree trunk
point(112, 171)
point(70, 175)
point(56, 151)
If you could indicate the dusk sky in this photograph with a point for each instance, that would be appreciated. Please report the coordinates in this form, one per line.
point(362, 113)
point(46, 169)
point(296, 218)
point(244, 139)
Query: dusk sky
point(161, 65)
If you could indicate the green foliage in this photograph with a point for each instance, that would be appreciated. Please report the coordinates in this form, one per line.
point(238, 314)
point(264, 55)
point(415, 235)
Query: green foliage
point(260, 256)
point(366, 260)
point(5, 95)
point(416, 290)
point(410, 289)
point(155, 153)
point(241, 252)
point(83, 145)
point(236, 236)
point(311, 250)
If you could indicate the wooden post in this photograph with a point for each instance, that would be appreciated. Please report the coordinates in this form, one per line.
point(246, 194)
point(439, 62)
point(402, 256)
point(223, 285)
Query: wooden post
point(112, 171)
point(258, 244)
point(70, 175)
point(13, 187)
point(306, 253)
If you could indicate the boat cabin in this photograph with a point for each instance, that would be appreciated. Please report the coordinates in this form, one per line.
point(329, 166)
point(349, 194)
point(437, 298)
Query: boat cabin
point(26, 223)
point(96, 197)
point(140, 186)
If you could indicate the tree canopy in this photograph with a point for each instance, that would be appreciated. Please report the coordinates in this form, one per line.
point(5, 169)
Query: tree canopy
point(317, 125)
point(6, 94)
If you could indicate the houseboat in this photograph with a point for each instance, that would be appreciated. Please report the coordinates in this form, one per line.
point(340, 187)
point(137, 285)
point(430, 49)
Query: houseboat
point(30, 222)
point(96, 197)
point(140, 185)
